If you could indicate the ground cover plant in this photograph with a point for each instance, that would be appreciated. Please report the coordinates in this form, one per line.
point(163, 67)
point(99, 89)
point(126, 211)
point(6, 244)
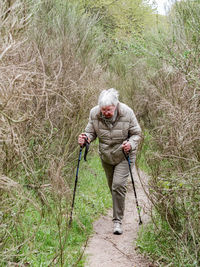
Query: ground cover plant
point(45, 239)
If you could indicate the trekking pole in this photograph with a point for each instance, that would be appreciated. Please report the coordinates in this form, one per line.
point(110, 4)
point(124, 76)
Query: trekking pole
point(76, 180)
point(136, 200)
point(75, 185)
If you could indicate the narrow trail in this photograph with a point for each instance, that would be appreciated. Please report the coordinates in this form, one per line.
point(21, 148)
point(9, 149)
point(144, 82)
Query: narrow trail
point(107, 250)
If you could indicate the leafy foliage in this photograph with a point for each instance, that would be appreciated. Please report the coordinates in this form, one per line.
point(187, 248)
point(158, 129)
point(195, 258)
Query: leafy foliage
point(121, 19)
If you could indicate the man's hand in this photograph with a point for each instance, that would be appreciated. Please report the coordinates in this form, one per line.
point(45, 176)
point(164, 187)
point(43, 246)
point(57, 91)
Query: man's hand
point(82, 139)
point(126, 146)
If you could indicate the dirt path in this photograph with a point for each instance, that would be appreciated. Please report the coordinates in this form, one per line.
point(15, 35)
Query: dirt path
point(108, 250)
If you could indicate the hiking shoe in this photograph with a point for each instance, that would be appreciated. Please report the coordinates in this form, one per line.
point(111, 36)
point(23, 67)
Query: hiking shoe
point(117, 229)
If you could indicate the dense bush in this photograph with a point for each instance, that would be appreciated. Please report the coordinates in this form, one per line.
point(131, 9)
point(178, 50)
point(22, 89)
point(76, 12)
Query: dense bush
point(168, 97)
point(49, 79)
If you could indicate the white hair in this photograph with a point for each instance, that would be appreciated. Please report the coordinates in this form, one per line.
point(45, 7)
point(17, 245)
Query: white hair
point(108, 97)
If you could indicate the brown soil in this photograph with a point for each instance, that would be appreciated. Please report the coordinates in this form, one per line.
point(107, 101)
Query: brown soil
point(107, 250)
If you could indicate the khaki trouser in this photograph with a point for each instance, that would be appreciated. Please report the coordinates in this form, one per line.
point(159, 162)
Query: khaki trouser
point(117, 176)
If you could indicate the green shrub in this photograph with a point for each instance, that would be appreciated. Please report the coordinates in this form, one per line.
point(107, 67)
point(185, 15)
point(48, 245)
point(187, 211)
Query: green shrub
point(171, 97)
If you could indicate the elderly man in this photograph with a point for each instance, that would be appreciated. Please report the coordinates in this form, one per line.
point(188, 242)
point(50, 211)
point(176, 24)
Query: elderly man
point(116, 126)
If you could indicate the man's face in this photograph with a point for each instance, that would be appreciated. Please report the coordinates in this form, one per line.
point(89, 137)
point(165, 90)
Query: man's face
point(108, 111)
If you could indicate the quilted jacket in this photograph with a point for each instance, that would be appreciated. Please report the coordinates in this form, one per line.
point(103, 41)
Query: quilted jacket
point(125, 127)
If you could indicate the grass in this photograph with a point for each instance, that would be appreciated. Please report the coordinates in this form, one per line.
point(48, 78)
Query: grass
point(42, 247)
point(142, 159)
point(157, 240)
point(158, 243)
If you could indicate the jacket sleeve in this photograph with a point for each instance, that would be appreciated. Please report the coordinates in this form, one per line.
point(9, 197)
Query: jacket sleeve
point(134, 132)
point(89, 130)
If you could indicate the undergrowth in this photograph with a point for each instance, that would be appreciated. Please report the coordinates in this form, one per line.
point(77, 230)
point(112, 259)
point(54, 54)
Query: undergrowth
point(156, 241)
point(45, 247)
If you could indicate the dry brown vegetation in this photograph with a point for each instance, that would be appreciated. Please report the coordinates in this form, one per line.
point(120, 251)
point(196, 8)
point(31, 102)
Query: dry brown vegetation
point(170, 105)
point(48, 83)
point(162, 85)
